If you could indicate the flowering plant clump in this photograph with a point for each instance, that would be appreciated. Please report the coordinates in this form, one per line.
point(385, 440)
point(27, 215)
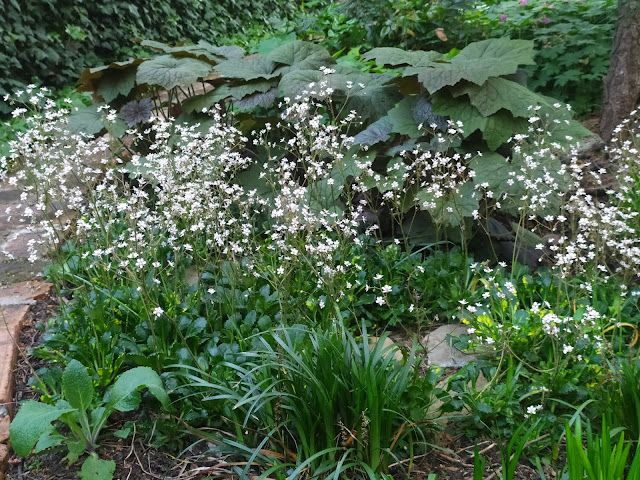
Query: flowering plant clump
point(187, 244)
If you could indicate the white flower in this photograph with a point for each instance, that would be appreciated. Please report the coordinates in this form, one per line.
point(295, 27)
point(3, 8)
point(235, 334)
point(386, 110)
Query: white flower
point(533, 409)
point(157, 312)
point(380, 300)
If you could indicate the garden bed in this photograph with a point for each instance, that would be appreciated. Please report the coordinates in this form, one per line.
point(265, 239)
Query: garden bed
point(451, 458)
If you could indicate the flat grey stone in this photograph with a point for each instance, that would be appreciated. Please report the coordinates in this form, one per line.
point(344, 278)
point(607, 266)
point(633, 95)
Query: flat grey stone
point(11, 301)
point(439, 350)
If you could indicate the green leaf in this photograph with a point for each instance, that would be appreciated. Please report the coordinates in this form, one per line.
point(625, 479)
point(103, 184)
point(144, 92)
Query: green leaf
point(376, 132)
point(76, 32)
point(124, 396)
point(295, 83)
point(498, 93)
point(300, 55)
point(89, 77)
point(500, 127)
point(75, 449)
point(250, 68)
point(476, 63)
point(77, 386)
point(202, 50)
point(265, 99)
point(170, 72)
point(199, 102)
point(459, 110)
point(526, 237)
point(372, 101)
point(240, 91)
point(252, 179)
point(396, 169)
point(116, 82)
point(269, 45)
point(87, 120)
point(32, 421)
point(95, 468)
point(497, 174)
point(402, 118)
point(397, 56)
point(419, 228)
point(49, 440)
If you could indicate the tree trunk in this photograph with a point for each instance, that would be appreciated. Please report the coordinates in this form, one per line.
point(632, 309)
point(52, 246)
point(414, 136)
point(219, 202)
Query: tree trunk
point(622, 83)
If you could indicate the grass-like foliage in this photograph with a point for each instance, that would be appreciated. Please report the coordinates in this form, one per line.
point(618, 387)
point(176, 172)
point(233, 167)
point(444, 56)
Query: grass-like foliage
point(308, 400)
point(602, 459)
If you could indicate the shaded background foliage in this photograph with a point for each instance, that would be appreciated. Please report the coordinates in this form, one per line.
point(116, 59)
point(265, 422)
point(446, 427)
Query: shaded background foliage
point(53, 40)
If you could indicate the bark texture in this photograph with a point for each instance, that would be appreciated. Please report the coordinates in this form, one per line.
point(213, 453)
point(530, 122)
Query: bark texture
point(622, 82)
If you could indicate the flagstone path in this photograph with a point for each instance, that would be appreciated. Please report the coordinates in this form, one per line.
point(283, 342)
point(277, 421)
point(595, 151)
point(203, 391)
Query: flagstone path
point(18, 291)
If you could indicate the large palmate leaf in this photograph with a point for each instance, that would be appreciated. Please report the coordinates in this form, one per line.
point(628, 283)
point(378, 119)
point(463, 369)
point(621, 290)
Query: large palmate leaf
point(370, 96)
point(203, 50)
point(402, 118)
point(459, 110)
point(169, 72)
point(423, 114)
point(92, 121)
point(250, 68)
point(500, 176)
point(299, 82)
point(237, 92)
point(476, 63)
point(260, 99)
point(87, 120)
point(116, 82)
point(378, 131)
point(324, 196)
point(199, 102)
point(300, 55)
point(396, 56)
point(500, 127)
point(89, 77)
point(394, 180)
point(498, 93)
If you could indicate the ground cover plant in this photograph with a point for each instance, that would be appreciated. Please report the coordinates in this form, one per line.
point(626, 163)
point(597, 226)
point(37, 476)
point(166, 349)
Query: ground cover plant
point(253, 230)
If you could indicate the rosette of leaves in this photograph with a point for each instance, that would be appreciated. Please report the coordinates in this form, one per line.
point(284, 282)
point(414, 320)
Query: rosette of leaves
point(82, 416)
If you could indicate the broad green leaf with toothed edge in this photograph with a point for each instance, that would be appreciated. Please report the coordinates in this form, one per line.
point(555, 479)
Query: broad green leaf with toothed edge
point(170, 72)
point(476, 63)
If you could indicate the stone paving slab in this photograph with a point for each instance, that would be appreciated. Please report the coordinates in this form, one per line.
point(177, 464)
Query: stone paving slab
point(11, 319)
point(4, 459)
point(12, 271)
point(15, 302)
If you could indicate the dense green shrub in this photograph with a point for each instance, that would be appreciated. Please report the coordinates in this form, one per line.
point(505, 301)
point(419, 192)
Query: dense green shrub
point(572, 38)
point(573, 42)
point(53, 40)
